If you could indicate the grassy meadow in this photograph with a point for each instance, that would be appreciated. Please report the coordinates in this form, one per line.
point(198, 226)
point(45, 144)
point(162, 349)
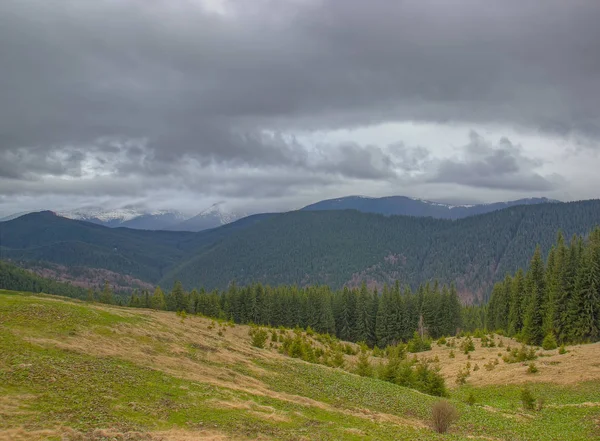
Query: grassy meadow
point(76, 371)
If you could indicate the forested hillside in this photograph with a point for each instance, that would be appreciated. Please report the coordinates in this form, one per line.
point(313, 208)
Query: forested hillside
point(347, 247)
point(555, 300)
point(337, 248)
point(19, 279)
point(145, 255)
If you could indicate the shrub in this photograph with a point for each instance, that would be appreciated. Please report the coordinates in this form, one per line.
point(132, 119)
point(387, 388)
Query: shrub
point(274, 336)
point(363, 367)
point(527, 399)
point(441, 341)
point(259, 337)
point(562, 350)
point(470, 399)
point(532, 369)
point(338, 359)
point(461, 377)
point(429, 380)
point(452, 355)
point(443, 414)
point(490, 365)
point(549, 342)
point(476, 367)
point(467, 345)
point(540, 404)
point(418, 344)
point(520, 355)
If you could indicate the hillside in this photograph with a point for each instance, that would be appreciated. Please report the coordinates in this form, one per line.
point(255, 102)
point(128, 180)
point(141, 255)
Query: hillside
point(405, 206)
point(346, 247)
point(145, 255)
point(309, 247)
point(77, 371)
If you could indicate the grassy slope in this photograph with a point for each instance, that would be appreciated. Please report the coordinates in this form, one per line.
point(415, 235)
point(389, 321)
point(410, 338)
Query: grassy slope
point(67, 368)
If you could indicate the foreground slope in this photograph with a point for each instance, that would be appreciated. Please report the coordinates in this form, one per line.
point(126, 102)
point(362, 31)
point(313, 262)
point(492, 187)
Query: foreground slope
point(81, 371)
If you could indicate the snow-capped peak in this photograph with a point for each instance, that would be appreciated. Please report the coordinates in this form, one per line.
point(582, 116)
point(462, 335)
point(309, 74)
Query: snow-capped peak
point(216, 211)
point(119, 214)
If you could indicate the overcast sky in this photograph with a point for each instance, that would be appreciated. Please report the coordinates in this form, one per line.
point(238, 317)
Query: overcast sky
point(274, 104)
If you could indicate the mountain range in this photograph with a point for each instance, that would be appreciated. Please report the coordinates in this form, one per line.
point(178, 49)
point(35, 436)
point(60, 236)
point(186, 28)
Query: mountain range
point(402, 205)
point(216, 216)
point(338, 247)
point(212, 217)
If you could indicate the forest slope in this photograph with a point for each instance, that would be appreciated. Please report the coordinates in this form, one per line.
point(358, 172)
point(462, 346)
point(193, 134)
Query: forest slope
point(346, 247)
point(309, 247)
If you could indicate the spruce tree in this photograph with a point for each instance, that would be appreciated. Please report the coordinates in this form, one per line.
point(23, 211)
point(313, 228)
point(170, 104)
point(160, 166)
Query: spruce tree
point(106, 296)
point(535, 292)
point(515, 311)
point(158, 299)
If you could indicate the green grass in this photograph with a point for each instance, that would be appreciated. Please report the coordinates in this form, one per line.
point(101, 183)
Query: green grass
point(59, 387)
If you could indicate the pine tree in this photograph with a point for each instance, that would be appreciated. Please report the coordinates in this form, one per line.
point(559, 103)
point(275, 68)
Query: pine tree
point(535, 289)
point(515, 311)
point(158, 299)
point(383, 328)
point(363, 310)
point(106, 296)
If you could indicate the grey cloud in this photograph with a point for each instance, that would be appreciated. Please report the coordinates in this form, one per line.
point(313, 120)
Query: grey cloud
point(497, 167)
point(139, 89)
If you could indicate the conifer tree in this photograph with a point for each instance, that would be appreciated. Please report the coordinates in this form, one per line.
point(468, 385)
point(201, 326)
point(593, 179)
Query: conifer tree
point(158, 299)
point(534, 288)
point(106, 296)
point(363, 320)
point(515, 311)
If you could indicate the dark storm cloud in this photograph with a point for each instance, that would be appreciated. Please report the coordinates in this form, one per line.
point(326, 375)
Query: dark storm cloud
point(502, 166)
point(143, 88)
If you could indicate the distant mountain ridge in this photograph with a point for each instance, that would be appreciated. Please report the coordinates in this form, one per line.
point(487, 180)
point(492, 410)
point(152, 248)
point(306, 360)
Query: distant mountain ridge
point(138, 219)
point(406, 206)
point(216, 216)
point(333, 247)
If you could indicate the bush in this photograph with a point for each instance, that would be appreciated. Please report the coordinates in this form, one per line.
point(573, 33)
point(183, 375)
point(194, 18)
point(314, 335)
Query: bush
point(363, 367)
point(259, 337)
point(462, 375)
point(338, 359)
point(471, 399)
point(527, 399)
point(442, 341)
point(443, 414)
point(429, 380)
point(562, 350)
point(520, 355)
point(452, 355)
point(467, 345)
point(418, 344)
point(532, 369)
point(549, 342)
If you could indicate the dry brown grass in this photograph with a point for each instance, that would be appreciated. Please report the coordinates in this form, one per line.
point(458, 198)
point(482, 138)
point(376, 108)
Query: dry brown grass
point(580, 364)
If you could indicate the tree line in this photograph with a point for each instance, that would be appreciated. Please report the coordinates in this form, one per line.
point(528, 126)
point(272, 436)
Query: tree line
point(557, 299)
point(352, 314)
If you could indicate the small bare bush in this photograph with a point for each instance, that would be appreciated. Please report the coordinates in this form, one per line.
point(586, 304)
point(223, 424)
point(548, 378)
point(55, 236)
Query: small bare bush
point(443, 414)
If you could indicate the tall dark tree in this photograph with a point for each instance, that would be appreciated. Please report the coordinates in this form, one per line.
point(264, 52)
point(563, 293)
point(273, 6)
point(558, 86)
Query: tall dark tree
point(535, 293)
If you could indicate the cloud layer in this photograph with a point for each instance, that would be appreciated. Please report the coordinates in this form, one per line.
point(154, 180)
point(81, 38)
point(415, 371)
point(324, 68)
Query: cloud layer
point(133, 98)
